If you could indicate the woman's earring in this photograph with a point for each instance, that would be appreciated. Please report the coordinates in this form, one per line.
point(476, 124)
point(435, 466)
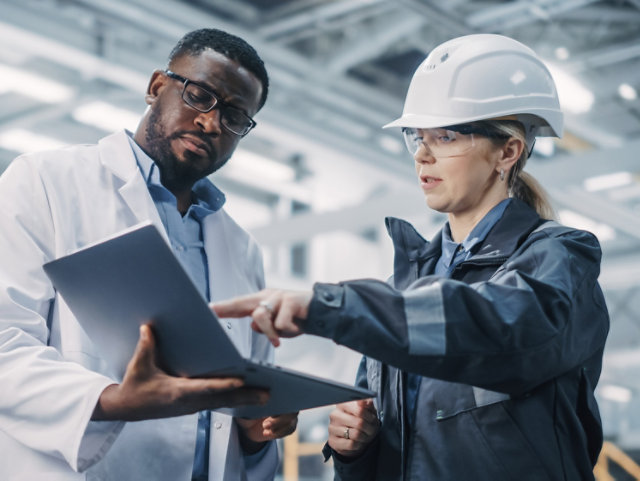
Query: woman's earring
point(501, 174)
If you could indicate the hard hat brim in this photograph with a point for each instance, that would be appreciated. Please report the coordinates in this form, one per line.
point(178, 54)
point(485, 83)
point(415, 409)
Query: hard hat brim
point(549, 123)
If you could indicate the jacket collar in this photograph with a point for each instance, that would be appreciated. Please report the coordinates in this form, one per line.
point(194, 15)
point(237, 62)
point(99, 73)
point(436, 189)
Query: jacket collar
point(514, 226)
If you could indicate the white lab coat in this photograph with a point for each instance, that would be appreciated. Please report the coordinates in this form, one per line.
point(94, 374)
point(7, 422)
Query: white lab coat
point(53, 203)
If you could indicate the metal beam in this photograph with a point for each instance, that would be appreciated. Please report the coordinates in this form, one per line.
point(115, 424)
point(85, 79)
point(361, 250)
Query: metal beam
point(620, 273)
point(356, 218)
point(311, 17)
point(515, 14)
point(598, 208)
point(370, 44)
point(617, 53)
point(438, 18)
point(573, 169)
point(90, 65)
point(312, 77)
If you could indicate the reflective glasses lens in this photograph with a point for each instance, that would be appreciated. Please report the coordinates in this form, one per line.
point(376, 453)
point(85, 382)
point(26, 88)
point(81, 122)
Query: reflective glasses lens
point(198, 98)
point(236, 121)
point(233, 119)
point(440, 142)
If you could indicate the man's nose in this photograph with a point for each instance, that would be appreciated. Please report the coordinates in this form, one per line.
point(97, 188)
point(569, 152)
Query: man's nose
point(209, 122)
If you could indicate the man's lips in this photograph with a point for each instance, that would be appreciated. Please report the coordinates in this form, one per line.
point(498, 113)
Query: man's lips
point(195, 145)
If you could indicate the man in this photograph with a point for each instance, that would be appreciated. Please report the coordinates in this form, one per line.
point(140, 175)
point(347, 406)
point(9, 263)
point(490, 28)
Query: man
point(61, 416)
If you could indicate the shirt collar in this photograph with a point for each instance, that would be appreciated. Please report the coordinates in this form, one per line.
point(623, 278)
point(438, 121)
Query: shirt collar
point(207, 197)
point(477, 235)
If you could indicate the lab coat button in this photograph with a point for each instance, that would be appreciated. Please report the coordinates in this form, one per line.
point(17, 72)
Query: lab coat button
point(218, 425)
point(228, 325)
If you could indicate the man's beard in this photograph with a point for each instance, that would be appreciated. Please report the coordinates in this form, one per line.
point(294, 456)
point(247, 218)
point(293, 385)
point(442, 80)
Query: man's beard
point(175, 175)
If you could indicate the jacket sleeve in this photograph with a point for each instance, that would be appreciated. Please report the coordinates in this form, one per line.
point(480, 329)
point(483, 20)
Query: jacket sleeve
point(46, 402)
point(539, 315)
point(363, 467)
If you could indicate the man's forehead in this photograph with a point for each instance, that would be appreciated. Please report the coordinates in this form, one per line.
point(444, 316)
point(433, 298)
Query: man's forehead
point(210, 59)
point(219, 72)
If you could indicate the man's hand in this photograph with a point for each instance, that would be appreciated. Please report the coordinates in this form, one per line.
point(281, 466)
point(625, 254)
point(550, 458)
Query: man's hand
point(352, 426)
point(275, 313)
point(147, 392)
point(255, 432)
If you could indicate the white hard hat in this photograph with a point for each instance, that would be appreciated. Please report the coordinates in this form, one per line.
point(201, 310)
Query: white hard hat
point(481, 77)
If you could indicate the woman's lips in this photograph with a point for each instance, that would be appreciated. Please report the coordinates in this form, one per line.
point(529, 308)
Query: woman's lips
point(428, 182)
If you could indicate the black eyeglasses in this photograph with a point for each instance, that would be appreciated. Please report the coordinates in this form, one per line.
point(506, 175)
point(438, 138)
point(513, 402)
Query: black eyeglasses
point(203, 100)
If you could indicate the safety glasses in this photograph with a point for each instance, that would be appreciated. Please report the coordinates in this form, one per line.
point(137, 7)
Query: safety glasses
point(450, 141)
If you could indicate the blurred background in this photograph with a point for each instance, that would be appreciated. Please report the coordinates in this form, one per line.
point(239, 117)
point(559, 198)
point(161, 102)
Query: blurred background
point(315, 179)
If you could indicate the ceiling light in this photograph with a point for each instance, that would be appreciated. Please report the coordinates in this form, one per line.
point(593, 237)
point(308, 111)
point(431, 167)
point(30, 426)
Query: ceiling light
point(249, 165)
point(20, 140)
point(391, 144)
point(603, 232)
point(574, 97)
point(32, 85)
point(615, 393)
point(562, 53)
point(106, 116)
point(627, 92)
point(608, 181)
point(544, 146)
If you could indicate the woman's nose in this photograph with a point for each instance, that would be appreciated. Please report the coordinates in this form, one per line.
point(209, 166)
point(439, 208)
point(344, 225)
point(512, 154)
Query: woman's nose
point(423, 155)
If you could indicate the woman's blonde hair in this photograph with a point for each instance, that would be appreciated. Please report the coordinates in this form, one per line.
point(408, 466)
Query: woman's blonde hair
point(522, 185)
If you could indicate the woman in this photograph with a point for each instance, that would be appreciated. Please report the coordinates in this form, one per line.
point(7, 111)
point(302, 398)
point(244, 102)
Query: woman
point(486, 345)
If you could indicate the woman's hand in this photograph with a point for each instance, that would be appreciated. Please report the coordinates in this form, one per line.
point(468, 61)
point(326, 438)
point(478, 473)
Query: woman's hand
point(275, 313)
point(352, 427)
point(147, 392)
point(255, 432)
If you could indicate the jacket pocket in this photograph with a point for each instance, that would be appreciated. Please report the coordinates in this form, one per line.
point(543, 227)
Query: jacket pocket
point(460, 398)
point(486, 436)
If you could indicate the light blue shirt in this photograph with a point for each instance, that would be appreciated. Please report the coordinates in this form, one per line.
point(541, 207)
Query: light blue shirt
point(452, 255)
point(185, 235)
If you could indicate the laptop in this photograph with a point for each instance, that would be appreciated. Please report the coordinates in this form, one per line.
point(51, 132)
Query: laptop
point(133, 278)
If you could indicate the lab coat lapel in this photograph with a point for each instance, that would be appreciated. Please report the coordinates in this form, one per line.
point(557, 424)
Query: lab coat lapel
point(225, 281)
point(116, 155)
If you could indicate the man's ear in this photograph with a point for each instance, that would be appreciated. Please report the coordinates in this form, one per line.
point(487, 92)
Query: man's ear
point(156, 83)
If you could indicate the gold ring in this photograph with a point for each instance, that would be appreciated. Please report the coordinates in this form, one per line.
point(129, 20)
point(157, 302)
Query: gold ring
point(267, 307)
point(346, 433)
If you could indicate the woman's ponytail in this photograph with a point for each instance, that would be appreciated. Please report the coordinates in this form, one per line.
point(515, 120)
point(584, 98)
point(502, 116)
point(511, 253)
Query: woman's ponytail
point(523, 185)
point(526, 188)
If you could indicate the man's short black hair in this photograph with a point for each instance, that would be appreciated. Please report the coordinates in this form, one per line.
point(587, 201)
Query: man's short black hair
point(231, 46)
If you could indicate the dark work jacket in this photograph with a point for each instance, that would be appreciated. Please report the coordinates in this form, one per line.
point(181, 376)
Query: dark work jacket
point(510, 349)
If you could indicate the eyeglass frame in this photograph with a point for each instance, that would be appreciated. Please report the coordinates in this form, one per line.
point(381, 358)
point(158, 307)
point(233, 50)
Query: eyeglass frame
point(217, 102)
